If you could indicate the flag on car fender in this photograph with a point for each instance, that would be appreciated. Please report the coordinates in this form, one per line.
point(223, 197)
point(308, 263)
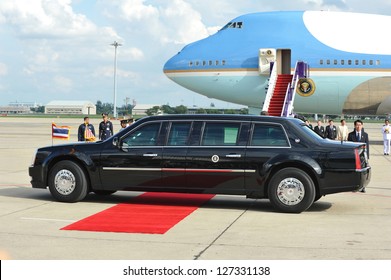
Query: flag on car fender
point(61, 132)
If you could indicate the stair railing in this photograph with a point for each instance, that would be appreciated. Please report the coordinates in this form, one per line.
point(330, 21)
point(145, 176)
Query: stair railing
point(301, 71)
point(271, 86)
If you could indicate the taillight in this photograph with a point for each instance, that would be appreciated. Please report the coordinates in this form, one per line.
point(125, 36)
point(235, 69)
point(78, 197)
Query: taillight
point(357, 156)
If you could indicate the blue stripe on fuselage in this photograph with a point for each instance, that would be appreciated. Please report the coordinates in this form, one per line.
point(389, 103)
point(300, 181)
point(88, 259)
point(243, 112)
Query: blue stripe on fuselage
point(238, 47)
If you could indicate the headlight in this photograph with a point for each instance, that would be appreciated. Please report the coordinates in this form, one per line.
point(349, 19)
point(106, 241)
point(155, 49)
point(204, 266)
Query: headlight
point(34, 156)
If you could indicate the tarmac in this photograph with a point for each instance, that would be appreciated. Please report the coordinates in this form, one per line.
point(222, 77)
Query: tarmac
point(344, 226)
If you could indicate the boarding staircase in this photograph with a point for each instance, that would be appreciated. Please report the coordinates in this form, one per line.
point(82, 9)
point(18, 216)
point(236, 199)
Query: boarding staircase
point(281, 90)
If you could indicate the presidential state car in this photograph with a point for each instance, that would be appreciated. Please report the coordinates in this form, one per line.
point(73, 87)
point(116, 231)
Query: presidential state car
point(276, 158)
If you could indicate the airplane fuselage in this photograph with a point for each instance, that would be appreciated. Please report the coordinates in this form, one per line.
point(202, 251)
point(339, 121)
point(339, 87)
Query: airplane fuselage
point(349, 57)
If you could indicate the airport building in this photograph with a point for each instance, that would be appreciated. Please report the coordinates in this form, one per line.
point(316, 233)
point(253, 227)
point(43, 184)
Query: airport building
point(141, 109)
point(70, 107)
point(12, 110)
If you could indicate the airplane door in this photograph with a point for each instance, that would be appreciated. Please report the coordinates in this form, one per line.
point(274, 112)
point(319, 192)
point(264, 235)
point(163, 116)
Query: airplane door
point(284, 64)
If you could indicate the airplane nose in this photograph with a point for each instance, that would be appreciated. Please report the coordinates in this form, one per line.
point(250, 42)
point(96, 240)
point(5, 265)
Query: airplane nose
point(171, 64)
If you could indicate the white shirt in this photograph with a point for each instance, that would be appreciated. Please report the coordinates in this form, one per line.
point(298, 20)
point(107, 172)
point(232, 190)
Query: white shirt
point(386, 130)
point(343, 132)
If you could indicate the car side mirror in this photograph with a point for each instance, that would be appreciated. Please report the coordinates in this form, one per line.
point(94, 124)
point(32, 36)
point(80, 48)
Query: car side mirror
point(116, 141)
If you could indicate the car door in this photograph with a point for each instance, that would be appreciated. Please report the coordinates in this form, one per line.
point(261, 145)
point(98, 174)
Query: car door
point(136, 161)
point(174, 155)
point(215, 163)
point(268, 142)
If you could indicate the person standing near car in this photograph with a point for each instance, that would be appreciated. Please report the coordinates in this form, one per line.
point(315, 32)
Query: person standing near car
point(386, 131)
point(86, 131)
point(319, 128)
point(105, 128)
point(331, 131)
point(359, 135)
point(343, 131)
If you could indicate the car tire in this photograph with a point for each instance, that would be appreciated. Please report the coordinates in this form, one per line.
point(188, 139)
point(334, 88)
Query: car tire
point(103, 192)
point(291, 190)
point(68, 182)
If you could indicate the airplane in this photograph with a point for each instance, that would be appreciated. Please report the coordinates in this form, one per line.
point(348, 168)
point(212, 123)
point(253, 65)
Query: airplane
point(348, 54)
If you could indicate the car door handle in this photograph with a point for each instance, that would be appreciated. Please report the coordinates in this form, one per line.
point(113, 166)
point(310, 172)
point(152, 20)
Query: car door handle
point(233, 155)
point(149, 155)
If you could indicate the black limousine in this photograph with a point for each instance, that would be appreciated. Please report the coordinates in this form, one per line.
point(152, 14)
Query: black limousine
point(277, 158)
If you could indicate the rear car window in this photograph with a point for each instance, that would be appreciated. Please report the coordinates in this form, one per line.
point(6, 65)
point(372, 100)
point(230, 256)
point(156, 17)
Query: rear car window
point(268, 135)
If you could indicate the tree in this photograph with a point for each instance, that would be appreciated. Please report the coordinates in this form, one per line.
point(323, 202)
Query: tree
point(181, 109)
point(153, 111)
point(167, 109)
point(104, 107)
point(39, 109)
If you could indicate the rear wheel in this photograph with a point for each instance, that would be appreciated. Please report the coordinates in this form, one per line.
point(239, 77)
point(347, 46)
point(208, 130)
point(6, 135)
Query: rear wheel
point(68, 182)
point(291, 190)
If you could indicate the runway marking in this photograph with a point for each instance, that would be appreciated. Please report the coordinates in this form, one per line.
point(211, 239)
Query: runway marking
point(46, 219)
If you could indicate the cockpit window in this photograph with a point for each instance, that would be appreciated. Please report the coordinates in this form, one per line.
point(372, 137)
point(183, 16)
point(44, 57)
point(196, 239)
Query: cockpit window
point(235, 24)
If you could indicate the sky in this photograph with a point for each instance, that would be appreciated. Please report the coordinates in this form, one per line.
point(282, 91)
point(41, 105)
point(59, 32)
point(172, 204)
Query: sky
point(61, 49)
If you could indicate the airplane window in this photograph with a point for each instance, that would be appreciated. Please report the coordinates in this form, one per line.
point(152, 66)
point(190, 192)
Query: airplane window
point(210, 62)
point(377, 62)
point(328, 61)
point(203, 63)
point(356, 62)
point(342, 62)
point(217, 62)
point(232, 25)
point(191, 63)
point(335, 62)
point(371, 62)
point(364, 62)
point(226, 26)
point(197, 63)
point(349, 62)
point(223, 62)
point(321, 62)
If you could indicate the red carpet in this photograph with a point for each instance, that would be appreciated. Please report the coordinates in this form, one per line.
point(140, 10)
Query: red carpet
point(147, 213)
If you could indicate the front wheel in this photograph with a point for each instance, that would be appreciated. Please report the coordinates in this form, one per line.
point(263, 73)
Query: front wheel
point(291, 190)
point(68, 182)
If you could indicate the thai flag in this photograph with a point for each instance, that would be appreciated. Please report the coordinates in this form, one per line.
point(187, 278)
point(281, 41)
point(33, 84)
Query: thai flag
point(60, 132)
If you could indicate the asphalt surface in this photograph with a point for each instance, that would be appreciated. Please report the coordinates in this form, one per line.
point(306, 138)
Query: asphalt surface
point(345, 226)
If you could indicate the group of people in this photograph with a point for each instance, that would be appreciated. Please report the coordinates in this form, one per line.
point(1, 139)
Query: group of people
point(331, 131)
point(86, 130)
point(342, 133)
point(357, 135)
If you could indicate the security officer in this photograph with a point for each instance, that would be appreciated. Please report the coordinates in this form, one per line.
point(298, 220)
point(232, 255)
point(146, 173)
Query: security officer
point(105, 128)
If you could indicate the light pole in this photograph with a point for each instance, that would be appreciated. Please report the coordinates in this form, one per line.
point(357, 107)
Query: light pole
point(115, 44)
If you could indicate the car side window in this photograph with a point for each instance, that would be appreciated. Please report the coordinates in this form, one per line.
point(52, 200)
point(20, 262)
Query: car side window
point(220, 134)
point(143, 136)
point(268, 135)
point(179, 134)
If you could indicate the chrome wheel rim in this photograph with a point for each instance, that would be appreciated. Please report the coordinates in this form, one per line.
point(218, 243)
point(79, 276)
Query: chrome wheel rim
point(65, 182)
point(290, 191)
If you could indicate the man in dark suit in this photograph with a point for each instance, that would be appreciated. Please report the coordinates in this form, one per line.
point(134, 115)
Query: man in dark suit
point(331, 131)
point(319, 129)
point(359, 135)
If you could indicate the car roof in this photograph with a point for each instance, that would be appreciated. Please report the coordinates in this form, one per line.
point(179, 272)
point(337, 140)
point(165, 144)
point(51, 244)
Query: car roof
point(220, 117)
